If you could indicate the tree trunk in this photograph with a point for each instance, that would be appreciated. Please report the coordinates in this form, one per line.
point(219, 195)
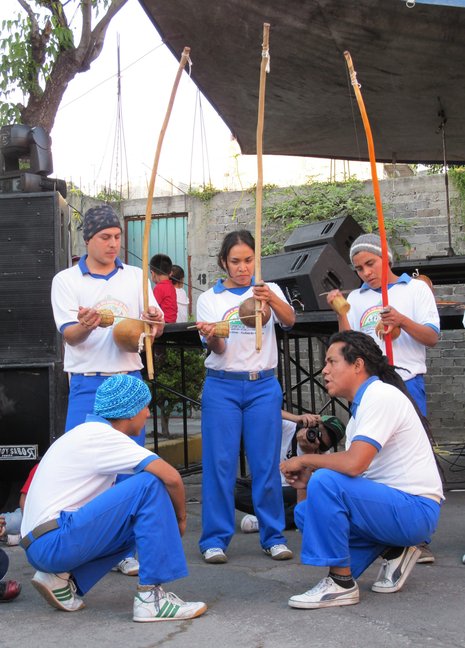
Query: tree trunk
point(42, 109)
point(165, 421)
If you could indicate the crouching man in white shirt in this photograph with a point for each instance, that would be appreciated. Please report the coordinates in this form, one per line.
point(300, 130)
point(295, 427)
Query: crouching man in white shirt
point(381, 496)
point(78, 524)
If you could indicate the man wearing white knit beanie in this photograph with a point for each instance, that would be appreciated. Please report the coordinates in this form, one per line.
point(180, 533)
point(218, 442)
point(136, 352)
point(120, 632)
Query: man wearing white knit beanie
point(412, 316)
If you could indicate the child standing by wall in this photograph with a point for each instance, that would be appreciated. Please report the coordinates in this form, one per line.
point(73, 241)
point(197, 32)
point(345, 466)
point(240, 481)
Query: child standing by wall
point(164, 291)
point(177, 277)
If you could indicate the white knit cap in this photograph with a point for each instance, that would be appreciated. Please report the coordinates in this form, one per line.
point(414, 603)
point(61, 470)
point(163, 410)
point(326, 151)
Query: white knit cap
point(368, 243)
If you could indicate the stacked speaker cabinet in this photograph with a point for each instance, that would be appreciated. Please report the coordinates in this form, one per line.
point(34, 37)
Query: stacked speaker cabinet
point(316, 260)
point(304, 274)
point(339, 232)
point(33, 386)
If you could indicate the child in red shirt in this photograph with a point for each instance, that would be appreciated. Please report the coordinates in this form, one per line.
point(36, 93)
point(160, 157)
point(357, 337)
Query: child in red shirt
point(164, 291)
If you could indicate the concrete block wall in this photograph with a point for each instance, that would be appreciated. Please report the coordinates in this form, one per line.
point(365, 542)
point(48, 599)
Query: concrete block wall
point(420, 200)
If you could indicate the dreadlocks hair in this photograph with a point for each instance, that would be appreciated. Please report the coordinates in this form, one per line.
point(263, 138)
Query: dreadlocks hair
point(360, 345)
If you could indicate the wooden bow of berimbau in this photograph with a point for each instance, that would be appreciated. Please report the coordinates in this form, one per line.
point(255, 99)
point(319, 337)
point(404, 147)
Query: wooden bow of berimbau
point(148, 211)
point(264, 68)
point(377, 195)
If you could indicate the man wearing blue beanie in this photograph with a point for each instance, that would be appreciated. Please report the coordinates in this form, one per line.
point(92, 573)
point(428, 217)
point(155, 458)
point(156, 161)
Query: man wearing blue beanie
point(78, 524)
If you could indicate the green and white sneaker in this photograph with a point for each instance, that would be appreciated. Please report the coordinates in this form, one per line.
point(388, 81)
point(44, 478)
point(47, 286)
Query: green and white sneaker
point(58, 590)
point(157, 605)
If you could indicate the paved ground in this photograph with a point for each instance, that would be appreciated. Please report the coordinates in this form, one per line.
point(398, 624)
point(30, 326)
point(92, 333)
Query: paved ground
point(247, 601)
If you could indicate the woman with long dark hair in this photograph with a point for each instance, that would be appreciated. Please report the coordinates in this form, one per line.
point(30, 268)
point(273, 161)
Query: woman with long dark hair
point(241, 399)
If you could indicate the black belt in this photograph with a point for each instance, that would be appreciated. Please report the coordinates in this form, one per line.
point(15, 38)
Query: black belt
point(39, 531)
point(241, 375)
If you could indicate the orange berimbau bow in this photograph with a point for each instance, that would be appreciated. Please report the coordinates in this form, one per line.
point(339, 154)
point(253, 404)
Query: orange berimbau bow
point(377, 194)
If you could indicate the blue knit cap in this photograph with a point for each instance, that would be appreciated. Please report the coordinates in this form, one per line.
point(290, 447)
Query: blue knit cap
point(121, 397)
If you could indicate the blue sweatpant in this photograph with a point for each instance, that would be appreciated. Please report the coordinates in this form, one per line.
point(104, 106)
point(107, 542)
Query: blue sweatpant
point(13, 521)
point(231, 409)
point(82, 397)
point(350, 521)
point(416, 389)
point(93, 539)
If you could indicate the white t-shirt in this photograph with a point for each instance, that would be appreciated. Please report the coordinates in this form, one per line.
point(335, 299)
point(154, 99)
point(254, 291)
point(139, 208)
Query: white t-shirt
point(121, 293)
point(77, 467)
point(288, 433)
point(387, 419)
point(183, 305)
point(240, 353)
point(411, 297)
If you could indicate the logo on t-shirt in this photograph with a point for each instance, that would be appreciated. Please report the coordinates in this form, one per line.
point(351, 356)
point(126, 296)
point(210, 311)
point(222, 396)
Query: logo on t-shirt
point(370, 318)
point(116, 306)
point(232, 316)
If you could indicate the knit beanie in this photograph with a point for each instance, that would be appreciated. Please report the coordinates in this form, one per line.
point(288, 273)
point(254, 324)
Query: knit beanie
point(97, 219)
point(121, 397)
point(335, 428)
point(368, 243)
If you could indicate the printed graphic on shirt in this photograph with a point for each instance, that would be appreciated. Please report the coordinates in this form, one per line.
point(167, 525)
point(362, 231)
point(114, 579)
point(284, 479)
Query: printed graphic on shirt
point(235, 324)
point(116, 306)
point(370, 318)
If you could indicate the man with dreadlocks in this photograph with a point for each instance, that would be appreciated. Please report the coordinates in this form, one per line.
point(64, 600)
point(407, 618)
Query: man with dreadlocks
point(381, 496)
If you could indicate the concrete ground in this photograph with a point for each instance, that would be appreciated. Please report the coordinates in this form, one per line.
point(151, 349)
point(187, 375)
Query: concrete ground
point(247, 601)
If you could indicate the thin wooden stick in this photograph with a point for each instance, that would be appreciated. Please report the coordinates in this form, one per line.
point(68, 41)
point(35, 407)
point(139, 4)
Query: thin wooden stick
point(264, 67)
point(134, 319)
point(343, 292)
point(225, 320)
point(148, 210)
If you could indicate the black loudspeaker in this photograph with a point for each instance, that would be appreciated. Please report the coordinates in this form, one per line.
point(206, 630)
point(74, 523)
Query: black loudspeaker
point(33, 402)
point(304, 274)
point(33, 248)
point(339, 232)
point(33, 386)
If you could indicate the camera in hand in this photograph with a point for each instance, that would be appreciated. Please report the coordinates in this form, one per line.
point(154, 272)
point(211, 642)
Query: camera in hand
point(312, 434)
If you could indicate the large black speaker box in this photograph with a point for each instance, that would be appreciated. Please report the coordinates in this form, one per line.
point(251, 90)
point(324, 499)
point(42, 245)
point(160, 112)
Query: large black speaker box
point(340, 232)
point(33, 385)
point(303, 275)
point(33, 403)
point(33, 248)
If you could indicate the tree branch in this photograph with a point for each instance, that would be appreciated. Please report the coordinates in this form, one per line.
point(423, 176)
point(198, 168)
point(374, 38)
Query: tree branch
point(28, 9)
point(56, 9)
point(92, 41)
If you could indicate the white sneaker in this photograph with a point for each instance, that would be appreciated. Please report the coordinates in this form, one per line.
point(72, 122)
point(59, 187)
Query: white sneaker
point(249, 524)
point(393, 573)
point(58, 590)
point(215, 555)
point(326, 594)
point(129, 566)
point(279, 552)
point(158, 605)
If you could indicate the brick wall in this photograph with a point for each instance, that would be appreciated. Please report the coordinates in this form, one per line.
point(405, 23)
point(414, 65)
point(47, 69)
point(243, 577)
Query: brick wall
point(419, 199)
